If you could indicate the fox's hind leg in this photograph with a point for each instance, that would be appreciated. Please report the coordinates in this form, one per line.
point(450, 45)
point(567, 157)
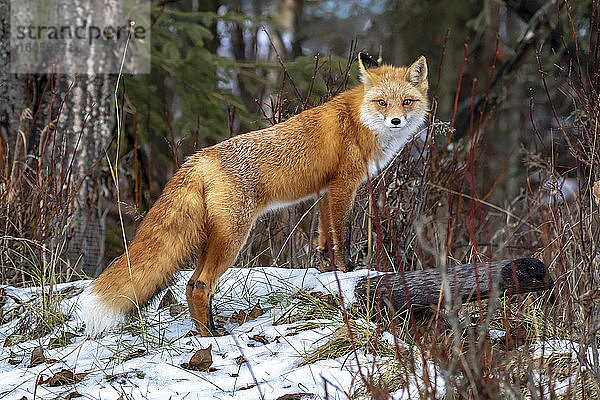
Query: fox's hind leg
point(191, 285)
point(221, 250)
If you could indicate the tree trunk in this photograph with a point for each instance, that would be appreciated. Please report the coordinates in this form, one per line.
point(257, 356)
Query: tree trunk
point(464, 283)
point(69, 126)
point(90, 117)
point(12, 91)
point(85, 128)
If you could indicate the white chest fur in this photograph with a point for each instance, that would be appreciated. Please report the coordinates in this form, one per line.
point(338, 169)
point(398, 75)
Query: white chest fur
point(389, 146)
point(390, 140)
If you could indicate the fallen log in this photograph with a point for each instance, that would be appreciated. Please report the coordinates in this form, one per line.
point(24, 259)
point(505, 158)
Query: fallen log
point(423, 289)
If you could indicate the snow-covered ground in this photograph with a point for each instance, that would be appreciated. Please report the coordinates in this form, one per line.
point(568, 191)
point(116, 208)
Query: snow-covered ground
point(265, 357)
point(143, 359)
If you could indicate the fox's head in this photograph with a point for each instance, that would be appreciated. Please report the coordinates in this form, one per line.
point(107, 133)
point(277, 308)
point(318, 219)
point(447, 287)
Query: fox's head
point(395, 98)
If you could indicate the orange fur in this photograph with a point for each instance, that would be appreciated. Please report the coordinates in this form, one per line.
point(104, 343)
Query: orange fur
point(208, 207)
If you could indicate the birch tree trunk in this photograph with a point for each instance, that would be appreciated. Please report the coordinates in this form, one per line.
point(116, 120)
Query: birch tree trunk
point(86, 126)
point(12, 91)
point(74, 117)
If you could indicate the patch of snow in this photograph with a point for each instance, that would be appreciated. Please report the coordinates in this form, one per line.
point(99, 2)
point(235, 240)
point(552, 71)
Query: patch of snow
point(272, 369)
point(497, 334)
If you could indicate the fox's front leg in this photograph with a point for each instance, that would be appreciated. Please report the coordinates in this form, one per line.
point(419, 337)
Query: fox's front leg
point(324, 224)
point(325, 243)
point(341, 197)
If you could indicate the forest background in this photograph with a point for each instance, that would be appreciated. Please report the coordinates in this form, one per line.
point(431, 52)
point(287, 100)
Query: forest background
point(220, 68)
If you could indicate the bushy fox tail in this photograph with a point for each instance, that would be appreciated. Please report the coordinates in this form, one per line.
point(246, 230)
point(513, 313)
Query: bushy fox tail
point(171, 233)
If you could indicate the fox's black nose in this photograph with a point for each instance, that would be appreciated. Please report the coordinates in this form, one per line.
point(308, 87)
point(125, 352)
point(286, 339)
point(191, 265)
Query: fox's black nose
point(396, 121)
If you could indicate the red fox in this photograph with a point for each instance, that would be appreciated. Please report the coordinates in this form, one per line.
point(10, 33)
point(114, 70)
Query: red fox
point(208, 207)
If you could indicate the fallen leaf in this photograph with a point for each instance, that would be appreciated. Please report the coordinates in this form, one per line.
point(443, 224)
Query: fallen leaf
point(42, 380)
point(167, 301)
point(134, 354)
point(239, 317)
point(247, 387)
point(73, 395)
point(257, 311)
point(200, 361)
point(260, 339)
point(296, 396)
point(37, 357)
point(242, 316)
point(65, 377)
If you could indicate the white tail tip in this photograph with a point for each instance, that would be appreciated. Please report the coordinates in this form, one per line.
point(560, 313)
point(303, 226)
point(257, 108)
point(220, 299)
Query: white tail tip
point(97, 315)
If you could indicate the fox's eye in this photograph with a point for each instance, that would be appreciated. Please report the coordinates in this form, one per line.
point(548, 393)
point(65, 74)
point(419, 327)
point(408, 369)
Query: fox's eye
point(407, 102)
point(382, 103)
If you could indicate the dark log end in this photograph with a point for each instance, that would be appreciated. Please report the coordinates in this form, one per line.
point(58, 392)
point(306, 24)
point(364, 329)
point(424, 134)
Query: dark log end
point(525, 275)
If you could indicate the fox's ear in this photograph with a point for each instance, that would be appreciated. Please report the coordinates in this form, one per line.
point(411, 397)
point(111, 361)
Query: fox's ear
point(417, 72)
point(365, 62)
